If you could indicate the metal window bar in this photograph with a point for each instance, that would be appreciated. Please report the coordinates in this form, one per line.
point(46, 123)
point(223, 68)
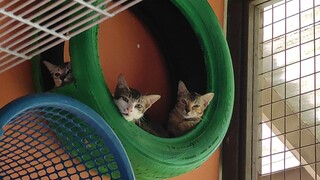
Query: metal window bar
point(29, 27)
point(286, 92)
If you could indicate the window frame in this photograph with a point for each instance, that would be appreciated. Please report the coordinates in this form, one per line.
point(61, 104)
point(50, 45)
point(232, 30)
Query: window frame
point(237, 151)
point(234, 151)
point(237, 145)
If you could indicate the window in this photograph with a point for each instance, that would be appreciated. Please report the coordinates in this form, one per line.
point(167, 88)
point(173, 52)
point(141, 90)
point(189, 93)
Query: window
point(285, 89)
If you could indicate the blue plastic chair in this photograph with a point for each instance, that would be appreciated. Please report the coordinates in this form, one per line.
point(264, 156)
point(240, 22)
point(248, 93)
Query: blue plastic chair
point(51, 136)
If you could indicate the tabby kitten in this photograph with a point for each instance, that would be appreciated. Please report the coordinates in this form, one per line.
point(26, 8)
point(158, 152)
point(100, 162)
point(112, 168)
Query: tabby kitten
point(61, 74)
point(188, 111)
point(131, 104)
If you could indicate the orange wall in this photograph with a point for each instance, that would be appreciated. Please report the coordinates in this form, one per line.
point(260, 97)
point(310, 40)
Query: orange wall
point(140, 49)
point(15, 83)
point(218, 8)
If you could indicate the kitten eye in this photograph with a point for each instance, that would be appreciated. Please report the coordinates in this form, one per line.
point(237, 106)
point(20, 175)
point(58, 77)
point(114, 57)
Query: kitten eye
point(196, 106)
point(138, 106)
point(57, 74)
point(183, 101)
point(125, 99)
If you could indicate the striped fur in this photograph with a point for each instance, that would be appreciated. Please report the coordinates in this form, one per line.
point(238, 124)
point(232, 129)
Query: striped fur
point(188, 111)
point(131, 104)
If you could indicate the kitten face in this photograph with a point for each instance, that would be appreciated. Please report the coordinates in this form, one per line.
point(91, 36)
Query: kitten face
point(190, 104)
point(61, 74)
point(131, 104)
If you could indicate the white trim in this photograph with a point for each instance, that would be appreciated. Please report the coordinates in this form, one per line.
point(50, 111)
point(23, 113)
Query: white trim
point(225, 17)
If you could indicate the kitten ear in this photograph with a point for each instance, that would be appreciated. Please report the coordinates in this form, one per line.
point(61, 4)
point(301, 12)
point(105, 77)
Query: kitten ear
point(207, 98)
point(68, 65)
point(121, 82)
point(51, 67)
point(182, 88)
point(151, 99)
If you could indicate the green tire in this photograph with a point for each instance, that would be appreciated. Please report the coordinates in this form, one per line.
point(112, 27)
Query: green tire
point(191, 39)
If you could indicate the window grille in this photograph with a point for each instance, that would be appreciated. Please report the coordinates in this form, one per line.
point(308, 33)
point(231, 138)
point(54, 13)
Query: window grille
point(29, 27)
point(285, 91)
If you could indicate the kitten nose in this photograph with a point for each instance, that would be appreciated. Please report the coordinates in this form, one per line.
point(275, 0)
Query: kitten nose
point(187, 110)
point(129, 109)
point(62, 77)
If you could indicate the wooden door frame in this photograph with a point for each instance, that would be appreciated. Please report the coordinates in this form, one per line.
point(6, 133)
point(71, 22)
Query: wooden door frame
point(234, 144)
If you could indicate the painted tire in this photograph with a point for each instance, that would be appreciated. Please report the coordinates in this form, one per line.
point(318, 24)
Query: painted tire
point(191, 40)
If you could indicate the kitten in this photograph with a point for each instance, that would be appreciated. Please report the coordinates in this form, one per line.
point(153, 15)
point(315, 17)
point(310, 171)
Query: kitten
point(188, 111)
point(131, 104)
point(61, 74)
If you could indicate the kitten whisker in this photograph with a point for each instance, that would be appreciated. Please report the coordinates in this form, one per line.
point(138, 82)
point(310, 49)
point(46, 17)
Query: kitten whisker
point(126, 97)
